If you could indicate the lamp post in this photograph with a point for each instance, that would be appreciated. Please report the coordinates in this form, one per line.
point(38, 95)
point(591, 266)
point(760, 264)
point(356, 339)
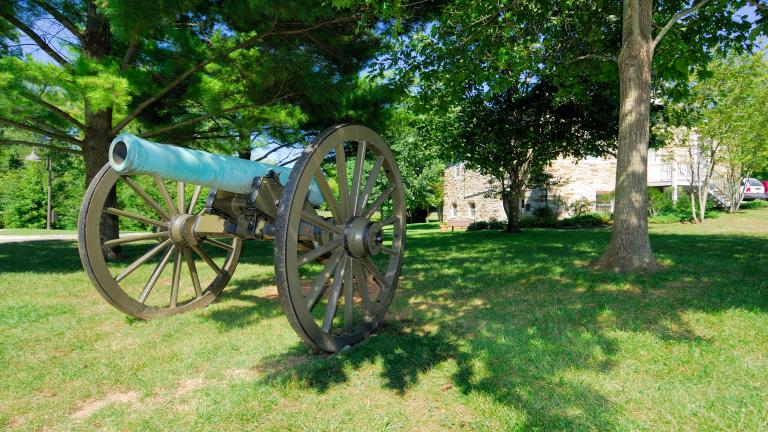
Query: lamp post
point(33, 157)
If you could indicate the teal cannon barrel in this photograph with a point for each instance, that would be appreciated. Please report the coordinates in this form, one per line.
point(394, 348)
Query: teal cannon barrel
point(129, 154)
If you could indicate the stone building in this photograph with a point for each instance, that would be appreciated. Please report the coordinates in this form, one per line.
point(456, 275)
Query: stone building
point(470, 195)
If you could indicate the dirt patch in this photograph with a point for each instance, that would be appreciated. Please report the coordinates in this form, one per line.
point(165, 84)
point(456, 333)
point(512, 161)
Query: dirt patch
point(189, 385)
point(90, 406)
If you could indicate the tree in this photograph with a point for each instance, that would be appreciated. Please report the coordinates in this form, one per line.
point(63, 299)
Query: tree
point(733, 116)
point(513, 136)
point(497, 43)
point(420, 162)
point(180, 71)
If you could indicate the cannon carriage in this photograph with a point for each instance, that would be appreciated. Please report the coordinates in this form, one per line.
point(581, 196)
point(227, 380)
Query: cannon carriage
point(337, 220)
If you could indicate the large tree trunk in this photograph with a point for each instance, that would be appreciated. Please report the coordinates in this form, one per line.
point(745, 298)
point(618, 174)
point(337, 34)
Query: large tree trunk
point(630, 247)
point(98, 133)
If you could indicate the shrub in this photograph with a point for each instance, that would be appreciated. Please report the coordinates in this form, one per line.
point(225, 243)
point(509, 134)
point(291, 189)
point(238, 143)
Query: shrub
point(497, 225)
point(581, 207)
point(477, 226)
point(664, 219)
point(756, 204)
point(585, 221)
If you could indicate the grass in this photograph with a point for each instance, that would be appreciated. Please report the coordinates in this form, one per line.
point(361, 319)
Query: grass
point(33, 231)
point(487, 332)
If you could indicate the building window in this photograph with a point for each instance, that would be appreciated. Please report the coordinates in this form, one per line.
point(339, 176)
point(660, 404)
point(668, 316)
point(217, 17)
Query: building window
point(472, 210)
point(457, 170)
point(454, 210)
point(604, 202)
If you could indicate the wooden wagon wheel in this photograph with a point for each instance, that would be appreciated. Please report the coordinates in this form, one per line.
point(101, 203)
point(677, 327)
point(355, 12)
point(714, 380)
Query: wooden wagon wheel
point(341, 299)
point(200, 268)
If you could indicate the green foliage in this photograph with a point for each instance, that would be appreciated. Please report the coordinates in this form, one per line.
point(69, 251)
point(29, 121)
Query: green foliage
point(418, 159)
point(756, 204)
point(581, 207)
point(23, 197)
point(587, 220)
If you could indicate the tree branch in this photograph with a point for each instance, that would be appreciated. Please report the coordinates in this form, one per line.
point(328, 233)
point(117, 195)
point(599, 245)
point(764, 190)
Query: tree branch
point(603, 57)
point(54, 109)
point(129, 52)
point(58, 135)
point(187, 122)
point(58, 16)
point(199, 66)
point(677, 17)
point(35, 37)
point(45, 146)
point(281, 146)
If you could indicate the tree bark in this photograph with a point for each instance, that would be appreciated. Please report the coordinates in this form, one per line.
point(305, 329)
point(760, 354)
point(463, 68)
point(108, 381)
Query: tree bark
point(98, 126)
point(630, 249)
point(511, 202)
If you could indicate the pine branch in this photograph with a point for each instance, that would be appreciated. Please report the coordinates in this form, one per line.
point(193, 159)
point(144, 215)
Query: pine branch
point(45, 146)
point(35, 37)
point(54, 109)
point(677, 17)
point(187, 122)
point(58, 135)
point(248, 43)
point(58, 16)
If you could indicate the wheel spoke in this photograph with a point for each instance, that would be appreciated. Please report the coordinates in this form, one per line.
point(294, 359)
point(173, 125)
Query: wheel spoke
point(319, 222)
point(325, 189)
point(389, 221)
point(362, 285)
point(319, 284)
point(147, 199)
point(142, 259)
point(135, 238)
point(193, 272)
point(375, 272)
point(207, 259)
point(333, 299)
point(379, 201)
point(180, 196)
point(176, 275)
point(318, 252)
point(195, 196)
point(166, 196)
point(348, 294)
point(357, 176)
point(218, 244)
point(341, 179)
point(389, 251)
point(136, 217)
point(156, 274)
point(369, 184)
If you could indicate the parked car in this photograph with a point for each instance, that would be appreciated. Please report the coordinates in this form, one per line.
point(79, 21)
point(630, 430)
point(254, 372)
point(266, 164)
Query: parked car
point(753, 189)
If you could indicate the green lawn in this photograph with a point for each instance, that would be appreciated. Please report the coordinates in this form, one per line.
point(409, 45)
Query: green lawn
point(33, 231)
point(488, 332)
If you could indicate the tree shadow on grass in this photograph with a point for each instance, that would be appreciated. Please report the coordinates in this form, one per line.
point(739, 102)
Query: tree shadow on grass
point(519, 317)
point(44, 257)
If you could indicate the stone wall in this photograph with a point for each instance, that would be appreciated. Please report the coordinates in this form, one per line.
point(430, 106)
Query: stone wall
point(573, 180)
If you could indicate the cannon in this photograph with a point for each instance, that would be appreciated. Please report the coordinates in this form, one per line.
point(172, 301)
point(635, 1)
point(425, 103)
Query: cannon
point(336, 218)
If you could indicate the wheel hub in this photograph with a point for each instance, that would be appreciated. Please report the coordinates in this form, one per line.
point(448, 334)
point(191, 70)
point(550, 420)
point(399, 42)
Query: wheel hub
point(181, 229)
point(362, 237)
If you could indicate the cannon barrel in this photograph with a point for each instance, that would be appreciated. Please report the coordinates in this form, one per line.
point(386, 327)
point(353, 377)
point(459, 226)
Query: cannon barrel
point(129, 154)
